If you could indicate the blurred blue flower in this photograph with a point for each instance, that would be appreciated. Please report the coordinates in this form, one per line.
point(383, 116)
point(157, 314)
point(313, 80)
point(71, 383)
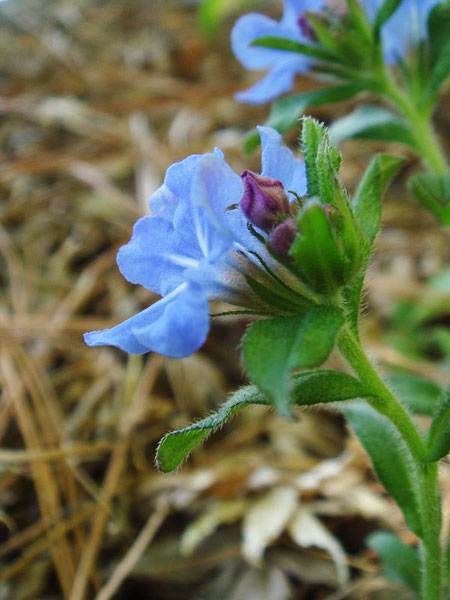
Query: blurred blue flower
point(189, 250)
point(405, 29)
point(282, 66)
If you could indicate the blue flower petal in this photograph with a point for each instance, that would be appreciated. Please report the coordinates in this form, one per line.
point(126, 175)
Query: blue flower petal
point(175, 326)
point(156, 257)
point(278, 81)
point(278, 161)
point(405, 29)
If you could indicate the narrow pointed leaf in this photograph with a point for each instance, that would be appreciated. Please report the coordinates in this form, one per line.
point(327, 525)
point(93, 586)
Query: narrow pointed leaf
point(308, 388)
point(439, 434)
point(372, 123)
point(390, 457)
point(367, 202)
point(280, 43)
point(273, 347)
point(312, 135)
point(400, 562)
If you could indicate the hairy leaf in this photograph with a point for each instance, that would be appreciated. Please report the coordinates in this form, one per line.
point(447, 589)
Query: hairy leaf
point(384, 13)
point(281, 43)
point(439, 434)
point(390, 456)
point(313, 387)
point(273, 347)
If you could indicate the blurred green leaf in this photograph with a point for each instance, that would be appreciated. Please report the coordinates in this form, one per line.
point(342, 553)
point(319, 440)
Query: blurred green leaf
point(400, 563)
point(281, 43)
point(371, 123)
point(273, 347)
point(439, 45)
point(416, 393)
point(390, 457)
point(212, 12)
point(285, 113)
point(367, 202)
point(438, 439)
point(433, 191)
point(308, 388)
point(385, 12)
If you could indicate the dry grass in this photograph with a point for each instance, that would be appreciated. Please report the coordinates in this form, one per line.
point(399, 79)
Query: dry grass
point(97, 100)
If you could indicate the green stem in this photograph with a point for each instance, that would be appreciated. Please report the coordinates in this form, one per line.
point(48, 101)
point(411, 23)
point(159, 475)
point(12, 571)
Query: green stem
point(388, 405)
point(421, 126)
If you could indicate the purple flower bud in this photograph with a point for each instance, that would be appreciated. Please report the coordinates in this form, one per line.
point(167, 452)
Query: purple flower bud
point(283, 236)
point(263, 201)
point(305, 27)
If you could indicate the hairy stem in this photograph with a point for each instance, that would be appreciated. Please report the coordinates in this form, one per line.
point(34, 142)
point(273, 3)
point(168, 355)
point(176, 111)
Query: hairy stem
point(421, 127)
point(429, 496)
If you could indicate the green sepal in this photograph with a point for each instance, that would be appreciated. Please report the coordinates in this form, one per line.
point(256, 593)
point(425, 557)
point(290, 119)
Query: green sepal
point(372, 123)
point(308, 388)
point(433, 191)
point(320, 260)
point(390, 456)
point(312, 135)
point(438, 439)
point(400, 563)
point(285, 113)
point(280, 299)
point(367, 201)
point(274, 347)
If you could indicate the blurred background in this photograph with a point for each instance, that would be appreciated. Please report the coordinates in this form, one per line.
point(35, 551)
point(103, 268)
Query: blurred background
point(97, 99)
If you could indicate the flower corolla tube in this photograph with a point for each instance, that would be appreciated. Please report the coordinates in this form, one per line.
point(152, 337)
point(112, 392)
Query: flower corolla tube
point(198, 245)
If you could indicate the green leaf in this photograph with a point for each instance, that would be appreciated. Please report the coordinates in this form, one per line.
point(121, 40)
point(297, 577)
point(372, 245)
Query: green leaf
point(285, 113)
point(212, 12)
point(390, 457)
point(400, 562)
point(273, 347)
point(438, 439)
point(372, 123)
point(433, 191)
point(367, 202)
point(419, 395)
point(384, 13)
point(308, 388)
point(280, 43)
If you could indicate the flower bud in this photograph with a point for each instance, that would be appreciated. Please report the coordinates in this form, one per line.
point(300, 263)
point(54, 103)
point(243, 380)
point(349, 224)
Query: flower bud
point(283, 236)
point(264, 200)
point(304, 25)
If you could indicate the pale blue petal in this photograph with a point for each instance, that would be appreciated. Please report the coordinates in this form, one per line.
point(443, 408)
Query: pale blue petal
point(156, 257)
point(214, 187)
point(175, 326)
point(175, 189)
point(293, 9)
point(405, 29)
point(279, 80)
point(279, 162)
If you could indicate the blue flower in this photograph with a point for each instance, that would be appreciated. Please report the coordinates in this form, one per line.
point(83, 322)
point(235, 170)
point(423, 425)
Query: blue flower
point(405, 29)
point(194, 247)
point(282, 66)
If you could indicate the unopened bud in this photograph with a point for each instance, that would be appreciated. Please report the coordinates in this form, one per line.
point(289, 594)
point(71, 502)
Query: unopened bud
point(304, 25)
point(264, 200)
point(283, 236)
